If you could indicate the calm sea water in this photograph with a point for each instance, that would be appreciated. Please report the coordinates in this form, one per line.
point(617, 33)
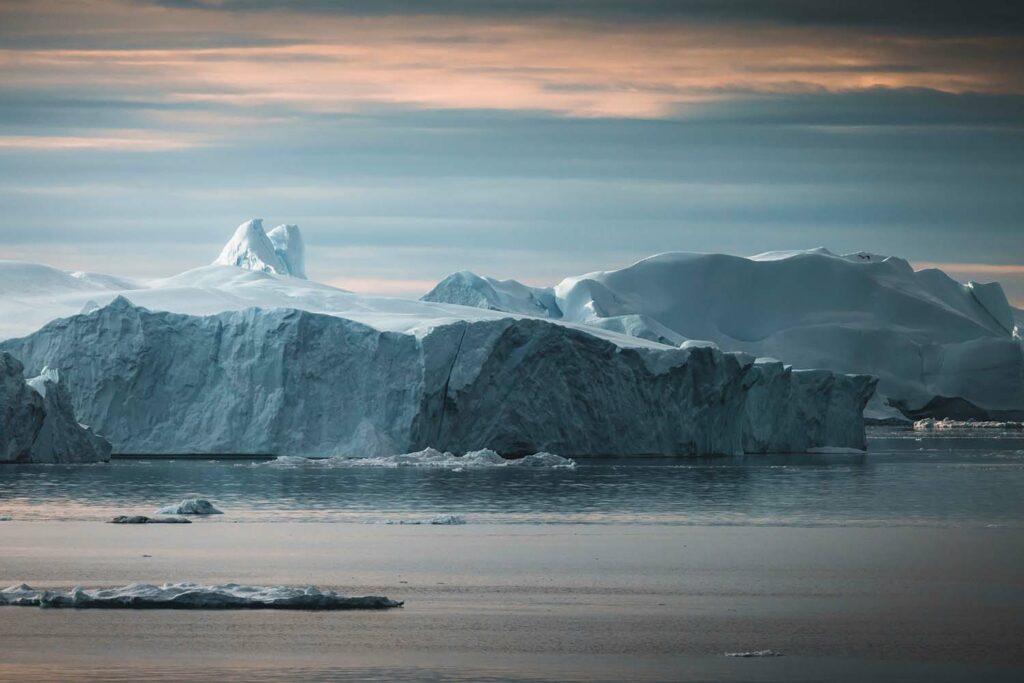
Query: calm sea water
point(905, 478)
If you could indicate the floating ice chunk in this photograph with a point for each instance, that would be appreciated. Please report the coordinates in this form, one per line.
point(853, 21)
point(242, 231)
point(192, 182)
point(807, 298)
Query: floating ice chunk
point(430, 457)
point(190, 506)
point(754, 653)
point(192, 596)
point(143, 519)
point(930, 424)
point(835, 450)
point(440, 520)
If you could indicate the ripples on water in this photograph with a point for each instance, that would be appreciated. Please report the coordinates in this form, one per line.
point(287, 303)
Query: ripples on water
point(906, 478)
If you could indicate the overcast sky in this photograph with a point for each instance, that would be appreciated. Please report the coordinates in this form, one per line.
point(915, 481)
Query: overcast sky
point(518, 139)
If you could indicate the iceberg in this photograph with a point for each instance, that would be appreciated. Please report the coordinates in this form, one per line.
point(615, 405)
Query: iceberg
point(287, 381)
point(469, 289)
point(281, 251)
point(192, 596)
point(190, 506)
point(939, 348)
point(37, 420)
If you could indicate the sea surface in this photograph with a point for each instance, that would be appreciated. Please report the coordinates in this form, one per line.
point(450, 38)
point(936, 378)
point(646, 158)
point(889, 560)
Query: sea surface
point(906, 478)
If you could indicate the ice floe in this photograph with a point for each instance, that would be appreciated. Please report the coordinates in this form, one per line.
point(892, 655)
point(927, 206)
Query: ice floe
point(439, 520)
point(930, 424)
point(143, 519)
point(429, 457)
point(192, 596)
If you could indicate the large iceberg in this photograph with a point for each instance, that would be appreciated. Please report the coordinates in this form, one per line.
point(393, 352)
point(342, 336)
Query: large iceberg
point(287, 381)
point(938, 347)
point(37, 420)
point(192, 596)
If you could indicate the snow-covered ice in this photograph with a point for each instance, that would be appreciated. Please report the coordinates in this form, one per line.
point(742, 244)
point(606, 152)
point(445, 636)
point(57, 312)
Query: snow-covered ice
point(922, 333)
point(190, 506)
point(192, 596)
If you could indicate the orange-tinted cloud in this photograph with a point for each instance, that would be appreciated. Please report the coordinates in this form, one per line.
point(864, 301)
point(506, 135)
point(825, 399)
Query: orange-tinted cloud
point(579, 68)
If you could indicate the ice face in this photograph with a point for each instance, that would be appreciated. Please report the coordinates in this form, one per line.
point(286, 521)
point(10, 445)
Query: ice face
point(37, 420)
point(292, 382)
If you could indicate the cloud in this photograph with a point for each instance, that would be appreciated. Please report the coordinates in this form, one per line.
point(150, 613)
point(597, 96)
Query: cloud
point(128, 141)
point(942, 16)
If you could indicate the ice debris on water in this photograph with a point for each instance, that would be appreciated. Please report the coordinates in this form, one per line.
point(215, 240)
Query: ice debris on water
point(190, 506)
point(754, 653)
point(439, 520)
point(143, 519)
point(189, 595)
point(430, 457)
point(929, 424)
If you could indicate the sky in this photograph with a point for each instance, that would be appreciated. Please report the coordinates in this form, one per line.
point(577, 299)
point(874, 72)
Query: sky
point(522, 139)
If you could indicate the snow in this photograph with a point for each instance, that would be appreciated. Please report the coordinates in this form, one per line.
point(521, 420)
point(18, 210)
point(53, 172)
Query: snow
point(37, 420)
point(190, 506)
point(921, 333)
point(192, 596)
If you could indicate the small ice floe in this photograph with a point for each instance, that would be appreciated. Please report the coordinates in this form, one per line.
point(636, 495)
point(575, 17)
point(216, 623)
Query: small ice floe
point(445, 520)
point(430, 457)
point(192, 596)
point(5, 518)
point(931, 424)
point(190, 506)
point(143, 519)
point(754, 653)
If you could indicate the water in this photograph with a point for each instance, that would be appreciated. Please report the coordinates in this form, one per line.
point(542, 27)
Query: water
point(906, 478)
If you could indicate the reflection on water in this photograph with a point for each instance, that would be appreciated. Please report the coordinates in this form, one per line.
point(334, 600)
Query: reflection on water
point(905, 478)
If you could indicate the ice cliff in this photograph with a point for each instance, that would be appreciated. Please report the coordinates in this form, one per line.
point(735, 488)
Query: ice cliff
point(281, 251)
point(37, 420)
point(293, 382)
point(939, 347)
